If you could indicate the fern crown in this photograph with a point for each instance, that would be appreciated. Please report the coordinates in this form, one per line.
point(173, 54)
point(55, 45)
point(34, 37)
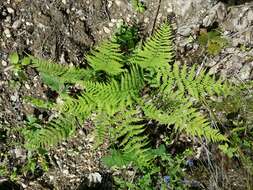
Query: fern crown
point(146, 86)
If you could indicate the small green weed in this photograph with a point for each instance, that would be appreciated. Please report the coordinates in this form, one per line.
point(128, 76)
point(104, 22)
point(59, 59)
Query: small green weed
point(127, 37)
point(213, 41)
point(138, 6)
point(18, 65)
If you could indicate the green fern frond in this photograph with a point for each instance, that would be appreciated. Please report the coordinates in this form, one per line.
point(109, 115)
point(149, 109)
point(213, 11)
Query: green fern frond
point(62, 73)
point(117, 158)
point(187, 119)
point(45, 136)
point(80, 107)
point(188, 82)
point(110, 97)
point(49, 67)
point(131, 138)
point(107, 57)
point(53, 82)
point(102, 124)
point(39, 103)
point(117, 95)
point(157, 51)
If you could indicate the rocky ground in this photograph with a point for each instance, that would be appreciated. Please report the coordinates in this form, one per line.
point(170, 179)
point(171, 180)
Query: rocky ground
point(63, 30)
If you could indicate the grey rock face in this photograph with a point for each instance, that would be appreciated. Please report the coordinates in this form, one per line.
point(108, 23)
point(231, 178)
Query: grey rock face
point(235, 64)
point(240, 22)
point(216, 14)
point(190, 14)
point(239, 18)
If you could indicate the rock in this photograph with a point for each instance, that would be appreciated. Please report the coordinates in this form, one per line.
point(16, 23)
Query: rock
point(7, 33)
point(14, 98)
point(106, 30)
point(216, 14)
point(79, 34)
point(94, 177)
point(146, 20)
point(190, 11)
point(193, 13)
point(111, 24)
point(16, 24)
point(186, 30)
point(27, 86)
point(65, 172)
point(109, 4)
point(233, 65)
point(4, 63)
point(239, 21)
point(244, 73)
point(118, 2)
point(51, 178)
point(10, 10)
point(8, 19)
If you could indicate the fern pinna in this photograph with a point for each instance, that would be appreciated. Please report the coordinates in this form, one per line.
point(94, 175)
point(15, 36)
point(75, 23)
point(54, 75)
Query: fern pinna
point(121, 95)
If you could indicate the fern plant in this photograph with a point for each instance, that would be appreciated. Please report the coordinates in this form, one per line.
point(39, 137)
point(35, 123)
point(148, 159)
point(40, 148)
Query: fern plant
point(121, 95)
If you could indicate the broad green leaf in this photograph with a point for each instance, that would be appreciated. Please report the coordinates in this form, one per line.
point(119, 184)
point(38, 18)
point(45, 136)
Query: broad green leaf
point(14, 58)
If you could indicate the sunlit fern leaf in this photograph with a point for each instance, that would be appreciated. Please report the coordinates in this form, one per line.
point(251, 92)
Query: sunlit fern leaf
point(49, 67)
point(110, 97)
point(133, 143)
point(185, 119)
point(77, 75)
point(116, 95)
point(61, 73)
point(117, 158)
point(39, 103)
point(53, 82)
point(189, 82)
point(101, 131)
point(45, 136)
point(80, 107)
point(106, 57)
point(131, 137)
point(157, 51)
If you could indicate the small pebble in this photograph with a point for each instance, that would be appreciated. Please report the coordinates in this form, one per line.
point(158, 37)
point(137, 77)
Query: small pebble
point(7, 33)
point(244, 73)
point(118, 2)
point(4, 63)
point(110, 24)
point(10, 10)
point(29, 23)
point(27, 86)
point(94, 177)
point(107, 30)
point(109, 4)
point(113, 20)
point(146, 20)
point(66, 172)
point(14, 98)
point(7, 19)
point(16, 24)
point(51, 178)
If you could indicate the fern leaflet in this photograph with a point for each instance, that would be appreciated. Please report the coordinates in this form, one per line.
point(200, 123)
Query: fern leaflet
point(107, 58)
